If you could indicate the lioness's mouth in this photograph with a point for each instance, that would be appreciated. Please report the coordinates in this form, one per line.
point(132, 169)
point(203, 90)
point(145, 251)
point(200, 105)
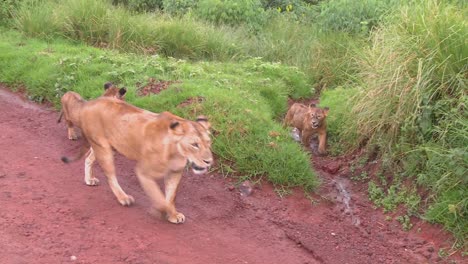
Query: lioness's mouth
point(198, 170)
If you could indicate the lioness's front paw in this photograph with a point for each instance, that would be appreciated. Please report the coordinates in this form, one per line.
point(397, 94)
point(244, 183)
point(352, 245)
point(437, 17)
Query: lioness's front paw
point(178, 218)
point(92, 182)
point(127, 200)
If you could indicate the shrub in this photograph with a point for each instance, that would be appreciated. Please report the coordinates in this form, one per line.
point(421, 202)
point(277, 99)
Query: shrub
point(6, 8)
point(413, 103)
point(353, 16)
point(179, 7)
point(140, 5)
point(232, 12)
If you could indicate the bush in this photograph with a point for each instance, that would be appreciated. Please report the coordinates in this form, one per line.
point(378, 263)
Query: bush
point(413, 103)
point(353, 16)
point(140, 5)
point(6, 8)
point(179, 7)
point(232, 13)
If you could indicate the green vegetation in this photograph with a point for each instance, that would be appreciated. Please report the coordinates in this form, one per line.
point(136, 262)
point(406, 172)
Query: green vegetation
point(412, 107)
point(394, 74)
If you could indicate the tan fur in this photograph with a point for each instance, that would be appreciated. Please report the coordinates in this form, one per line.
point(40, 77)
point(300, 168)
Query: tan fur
point(162, 145)
point(309, 120)
point(73, 102)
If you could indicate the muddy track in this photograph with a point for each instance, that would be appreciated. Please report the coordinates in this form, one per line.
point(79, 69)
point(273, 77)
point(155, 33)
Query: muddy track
point(48, 214)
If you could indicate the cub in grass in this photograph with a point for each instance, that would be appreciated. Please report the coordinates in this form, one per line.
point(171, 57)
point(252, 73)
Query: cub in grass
point(309, 120)
point(72, 104)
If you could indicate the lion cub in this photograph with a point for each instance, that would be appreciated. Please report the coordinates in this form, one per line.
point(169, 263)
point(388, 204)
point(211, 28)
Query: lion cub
point(309, 120)
point(72, 103)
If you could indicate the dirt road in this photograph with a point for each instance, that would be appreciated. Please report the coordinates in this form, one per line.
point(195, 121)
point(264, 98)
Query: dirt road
point(48, 215)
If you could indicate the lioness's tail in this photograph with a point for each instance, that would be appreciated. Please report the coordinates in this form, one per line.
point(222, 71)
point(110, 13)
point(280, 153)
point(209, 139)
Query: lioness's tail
point(60, 116)
point(85, 148)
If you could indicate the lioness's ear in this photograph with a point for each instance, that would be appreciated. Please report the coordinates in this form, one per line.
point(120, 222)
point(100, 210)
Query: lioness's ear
point(108, 85)
point(176, 127)
point(122, 91)
point(204, 122)
point(312, 105)
point(325, 110)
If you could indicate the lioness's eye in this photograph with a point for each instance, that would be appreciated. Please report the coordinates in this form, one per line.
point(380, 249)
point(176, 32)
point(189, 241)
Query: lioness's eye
point(195, 145)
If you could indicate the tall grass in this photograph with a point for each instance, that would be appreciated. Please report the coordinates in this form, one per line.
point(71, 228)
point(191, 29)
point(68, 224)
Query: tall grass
point(100, 24)
point(325, 56)
point(413, 105)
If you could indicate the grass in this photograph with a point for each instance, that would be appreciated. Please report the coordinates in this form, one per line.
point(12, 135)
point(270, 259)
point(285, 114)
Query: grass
point(242, 100)
point(324, 56)
point(412, 105)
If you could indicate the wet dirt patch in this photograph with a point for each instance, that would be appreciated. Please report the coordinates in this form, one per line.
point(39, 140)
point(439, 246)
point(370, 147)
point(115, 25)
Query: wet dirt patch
point(191, 100)
point(153, 86)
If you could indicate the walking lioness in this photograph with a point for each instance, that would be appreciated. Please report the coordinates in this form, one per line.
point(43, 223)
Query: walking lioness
point(309, 120)
point(162, 144)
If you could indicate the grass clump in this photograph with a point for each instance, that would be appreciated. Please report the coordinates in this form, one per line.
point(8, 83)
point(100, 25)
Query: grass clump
point(234, 31)
point(99, 23)
point(242, 100)
point(412, 107)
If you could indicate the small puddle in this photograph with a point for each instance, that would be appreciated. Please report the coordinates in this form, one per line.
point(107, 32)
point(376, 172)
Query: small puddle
point(344, 197)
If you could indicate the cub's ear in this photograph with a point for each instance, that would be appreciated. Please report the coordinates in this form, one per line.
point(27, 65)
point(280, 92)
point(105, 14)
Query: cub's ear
point(108, 85)
point(176, 128)
point(122, 91)
point(203, 120)
point(325, 110)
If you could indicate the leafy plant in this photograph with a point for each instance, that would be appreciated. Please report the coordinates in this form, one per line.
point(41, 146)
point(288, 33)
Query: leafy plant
point(232, 13)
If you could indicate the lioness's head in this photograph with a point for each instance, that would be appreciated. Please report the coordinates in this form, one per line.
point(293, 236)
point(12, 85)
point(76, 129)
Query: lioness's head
point(113, 91)
point(316, 115)
point(194, 143)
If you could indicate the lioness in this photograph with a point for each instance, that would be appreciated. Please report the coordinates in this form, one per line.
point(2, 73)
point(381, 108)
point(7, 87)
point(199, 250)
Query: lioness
point(162, 144)
point(309, 120)
point(73, 102)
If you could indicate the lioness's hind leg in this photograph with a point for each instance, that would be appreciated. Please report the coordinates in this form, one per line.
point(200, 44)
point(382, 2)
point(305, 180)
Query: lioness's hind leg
point(105, 158)
point(89, 177)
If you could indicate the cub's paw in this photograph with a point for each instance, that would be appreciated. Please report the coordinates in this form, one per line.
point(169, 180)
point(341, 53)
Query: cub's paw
point(92, 182)
point(72, 137)
point(126, 200)
point(178, 218)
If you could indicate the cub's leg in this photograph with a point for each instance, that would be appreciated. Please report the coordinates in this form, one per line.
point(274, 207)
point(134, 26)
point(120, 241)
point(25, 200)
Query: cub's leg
point(322, 137)
point(306, 137)
point(89, 177)
point(105, 158)
point(147, 180)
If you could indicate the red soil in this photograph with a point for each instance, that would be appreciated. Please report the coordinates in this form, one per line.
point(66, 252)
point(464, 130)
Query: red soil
point(48, 214)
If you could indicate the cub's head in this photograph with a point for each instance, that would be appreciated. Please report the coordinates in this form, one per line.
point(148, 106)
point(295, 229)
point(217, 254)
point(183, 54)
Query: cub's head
point(113, 91)
point(315, 116)
point(194, 143)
